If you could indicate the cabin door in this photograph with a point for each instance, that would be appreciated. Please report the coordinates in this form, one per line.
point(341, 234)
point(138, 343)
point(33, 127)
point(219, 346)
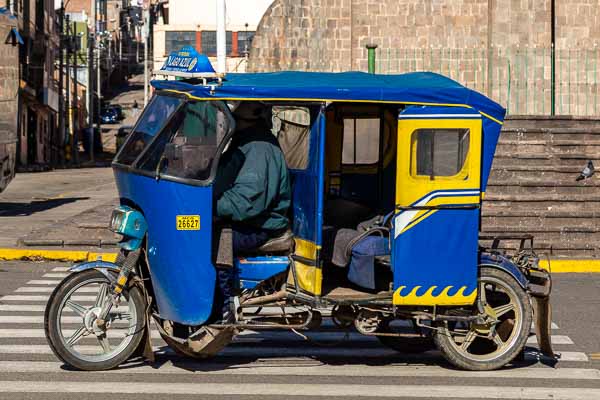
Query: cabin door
point(438, 197)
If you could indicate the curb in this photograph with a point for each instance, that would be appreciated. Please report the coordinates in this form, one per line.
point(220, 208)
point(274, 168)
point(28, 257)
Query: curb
point(571, 266)
point(556, 266)
point(54, 255)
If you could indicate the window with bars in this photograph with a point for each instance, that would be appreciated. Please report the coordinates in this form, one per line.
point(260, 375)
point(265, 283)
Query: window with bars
point(175, 40)
point(209, 42)
point(244, 40)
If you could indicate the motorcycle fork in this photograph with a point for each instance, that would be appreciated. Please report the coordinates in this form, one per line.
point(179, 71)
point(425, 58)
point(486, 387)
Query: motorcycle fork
point(126, 260)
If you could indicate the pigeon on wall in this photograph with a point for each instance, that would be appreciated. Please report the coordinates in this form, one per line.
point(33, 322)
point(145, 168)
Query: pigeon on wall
point(587, 172)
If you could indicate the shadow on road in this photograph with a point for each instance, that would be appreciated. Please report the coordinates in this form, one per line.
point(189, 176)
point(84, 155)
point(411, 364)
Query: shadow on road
point(26, 209)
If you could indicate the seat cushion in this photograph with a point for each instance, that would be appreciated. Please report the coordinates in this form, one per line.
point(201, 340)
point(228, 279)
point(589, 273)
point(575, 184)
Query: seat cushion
point(280, 244)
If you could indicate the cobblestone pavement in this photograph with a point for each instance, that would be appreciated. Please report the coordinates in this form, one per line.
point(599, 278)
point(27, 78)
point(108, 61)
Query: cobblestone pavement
point(58, 205)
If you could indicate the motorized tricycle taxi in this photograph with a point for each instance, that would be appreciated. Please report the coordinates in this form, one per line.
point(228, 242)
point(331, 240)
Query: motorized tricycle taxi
point(401, 158)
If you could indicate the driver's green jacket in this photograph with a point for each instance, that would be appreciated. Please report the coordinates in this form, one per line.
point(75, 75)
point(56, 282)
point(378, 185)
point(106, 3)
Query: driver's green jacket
point(252, 185)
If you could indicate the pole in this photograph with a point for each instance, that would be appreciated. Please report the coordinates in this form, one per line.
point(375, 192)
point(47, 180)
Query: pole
point(68, 85)
point(371, 51)
point(553, 57)
point(61, 105)
point(221, 38)
point(90, 94)
point(146, 36)
point(75, 109)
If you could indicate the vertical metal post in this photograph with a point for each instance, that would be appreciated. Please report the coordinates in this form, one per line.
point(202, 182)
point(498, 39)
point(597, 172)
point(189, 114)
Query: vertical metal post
point(371, 57)
point(61, 74)
point(146, 36)
point(553, 57)
point(221, 37)
point(90, 94)
point(67, 106)
point(75, 108)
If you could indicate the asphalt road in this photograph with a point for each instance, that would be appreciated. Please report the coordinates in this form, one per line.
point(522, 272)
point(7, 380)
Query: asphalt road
point(276, 365)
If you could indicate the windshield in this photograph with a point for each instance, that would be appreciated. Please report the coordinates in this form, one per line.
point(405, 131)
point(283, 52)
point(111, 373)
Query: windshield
point(187, 145)
point(154, 117)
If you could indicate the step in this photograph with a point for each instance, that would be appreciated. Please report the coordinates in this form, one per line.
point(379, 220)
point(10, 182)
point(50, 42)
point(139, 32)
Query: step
point(495, 195)
point(566, 181)
point(525, 212)
point(548, 142)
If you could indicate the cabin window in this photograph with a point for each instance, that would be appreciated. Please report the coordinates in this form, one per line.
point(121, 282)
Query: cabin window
point(187, 147)
point(155, 116)
point(439, 152)
point(361, 141)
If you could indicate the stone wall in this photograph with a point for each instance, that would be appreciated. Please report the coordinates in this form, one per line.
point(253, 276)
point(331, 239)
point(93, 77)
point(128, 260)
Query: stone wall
point(498, 47)
point(9, 87)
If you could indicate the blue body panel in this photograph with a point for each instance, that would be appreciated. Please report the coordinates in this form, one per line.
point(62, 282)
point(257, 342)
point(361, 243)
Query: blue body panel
point(307, 196)
point(180, 261)
point(441, 251)
point(253, 270)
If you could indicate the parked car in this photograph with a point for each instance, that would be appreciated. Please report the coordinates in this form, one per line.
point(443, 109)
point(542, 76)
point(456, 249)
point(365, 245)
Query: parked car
point(109, 116)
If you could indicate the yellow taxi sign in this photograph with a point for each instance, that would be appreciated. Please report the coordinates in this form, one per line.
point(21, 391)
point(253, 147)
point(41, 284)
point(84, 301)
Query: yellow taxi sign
point(188, 222)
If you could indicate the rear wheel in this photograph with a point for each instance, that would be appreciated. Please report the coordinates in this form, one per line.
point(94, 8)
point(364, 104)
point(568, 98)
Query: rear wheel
point(491, 345)
point(75, 333)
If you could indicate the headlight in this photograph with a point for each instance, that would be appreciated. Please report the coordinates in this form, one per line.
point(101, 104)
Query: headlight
point(116, 220)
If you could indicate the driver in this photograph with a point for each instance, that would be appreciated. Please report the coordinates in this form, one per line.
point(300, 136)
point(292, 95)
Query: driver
point(252, 189)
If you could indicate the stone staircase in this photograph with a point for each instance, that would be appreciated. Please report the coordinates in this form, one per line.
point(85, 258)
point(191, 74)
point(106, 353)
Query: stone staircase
point(532, 187)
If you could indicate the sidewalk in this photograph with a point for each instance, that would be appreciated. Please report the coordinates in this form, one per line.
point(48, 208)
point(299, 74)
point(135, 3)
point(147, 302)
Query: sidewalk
point(62, 209)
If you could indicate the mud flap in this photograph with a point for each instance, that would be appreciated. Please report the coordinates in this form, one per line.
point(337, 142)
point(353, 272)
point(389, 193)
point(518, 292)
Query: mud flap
point(543, 321)
point(540, 287)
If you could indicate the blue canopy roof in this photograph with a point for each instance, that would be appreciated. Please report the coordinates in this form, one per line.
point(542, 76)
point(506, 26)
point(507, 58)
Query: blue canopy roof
point(411, 88)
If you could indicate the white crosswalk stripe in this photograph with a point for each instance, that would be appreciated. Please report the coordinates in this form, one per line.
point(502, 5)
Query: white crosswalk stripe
point(344, 358)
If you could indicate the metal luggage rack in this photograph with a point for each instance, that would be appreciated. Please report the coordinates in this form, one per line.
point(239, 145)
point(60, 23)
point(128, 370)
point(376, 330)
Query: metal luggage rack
point(498, 239)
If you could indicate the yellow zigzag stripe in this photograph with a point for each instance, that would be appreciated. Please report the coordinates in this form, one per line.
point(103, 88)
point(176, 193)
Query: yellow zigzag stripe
point(428, 299)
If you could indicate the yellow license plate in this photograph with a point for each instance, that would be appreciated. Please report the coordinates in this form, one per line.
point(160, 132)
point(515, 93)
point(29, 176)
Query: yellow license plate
point(188, 222)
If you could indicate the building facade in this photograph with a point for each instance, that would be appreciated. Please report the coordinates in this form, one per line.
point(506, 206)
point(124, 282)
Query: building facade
point(38, 94)
point(500, 47)
point(186, 23)
point(9, 94)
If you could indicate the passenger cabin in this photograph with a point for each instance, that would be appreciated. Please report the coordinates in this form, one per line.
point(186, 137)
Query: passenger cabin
point(415, 148)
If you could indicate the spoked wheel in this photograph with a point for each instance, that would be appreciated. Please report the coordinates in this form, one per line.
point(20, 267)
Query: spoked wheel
point(495, 343)
point(413, 342)
point(75, 333)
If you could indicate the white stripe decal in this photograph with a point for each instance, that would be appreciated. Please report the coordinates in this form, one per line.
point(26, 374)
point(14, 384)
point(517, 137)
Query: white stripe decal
point(187, 367)
point(304, 390)
point(404, 218)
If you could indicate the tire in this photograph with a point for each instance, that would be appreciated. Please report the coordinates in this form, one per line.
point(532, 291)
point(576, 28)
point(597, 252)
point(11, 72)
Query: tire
point(486, 354)
point(134, 330)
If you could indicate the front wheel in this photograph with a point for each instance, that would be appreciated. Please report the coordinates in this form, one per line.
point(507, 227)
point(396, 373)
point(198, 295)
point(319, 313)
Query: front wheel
point(495, 343)
point(75, 333)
